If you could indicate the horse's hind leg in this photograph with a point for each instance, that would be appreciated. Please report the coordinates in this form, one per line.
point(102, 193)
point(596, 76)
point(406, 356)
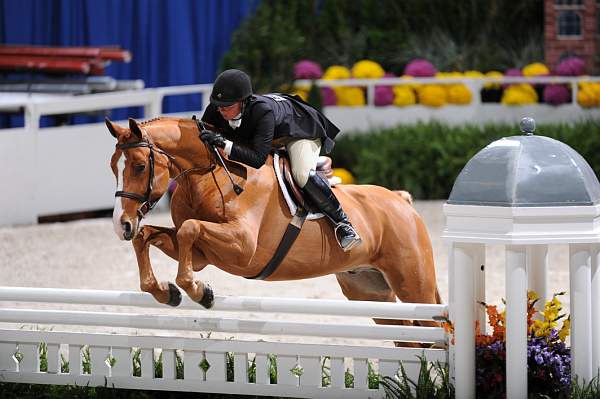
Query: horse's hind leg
point(165, 239)
point(411, 274)
point(370, 285)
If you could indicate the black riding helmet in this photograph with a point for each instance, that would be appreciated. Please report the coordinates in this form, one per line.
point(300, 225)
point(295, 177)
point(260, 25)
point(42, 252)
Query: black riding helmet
point(230, 87)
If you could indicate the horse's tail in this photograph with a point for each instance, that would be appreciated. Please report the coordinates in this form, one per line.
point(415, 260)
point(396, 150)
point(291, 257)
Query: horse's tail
point(405, 195)
point(438, 298)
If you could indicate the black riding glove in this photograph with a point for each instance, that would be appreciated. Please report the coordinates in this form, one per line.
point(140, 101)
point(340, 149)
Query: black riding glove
point(212, 138)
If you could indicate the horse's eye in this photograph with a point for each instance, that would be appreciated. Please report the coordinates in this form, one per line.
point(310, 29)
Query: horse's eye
point(139, 168)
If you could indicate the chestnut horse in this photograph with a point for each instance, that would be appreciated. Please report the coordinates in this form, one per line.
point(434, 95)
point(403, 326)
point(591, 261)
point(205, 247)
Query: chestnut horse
point(239, 234)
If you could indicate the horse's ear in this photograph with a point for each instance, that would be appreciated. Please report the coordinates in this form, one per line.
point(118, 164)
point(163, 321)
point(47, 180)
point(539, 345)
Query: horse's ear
point(113, 128)
point(135, 129)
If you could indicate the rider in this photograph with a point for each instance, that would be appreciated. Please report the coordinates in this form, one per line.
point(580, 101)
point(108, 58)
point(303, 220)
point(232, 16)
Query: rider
point(254, 124)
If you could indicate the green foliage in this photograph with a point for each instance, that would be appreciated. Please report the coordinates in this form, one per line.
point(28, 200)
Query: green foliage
point(86, 361)
point(425, 159)
point(269, 43)
point(136, 360)
point(433, 382)
point(587, 390)
point(461, 34)
point(43, 353)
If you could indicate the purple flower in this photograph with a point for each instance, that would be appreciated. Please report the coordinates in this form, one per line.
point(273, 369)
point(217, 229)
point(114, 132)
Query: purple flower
point(384, 95)
point(538, 358)
point(572, 66)
point(514, 72)
point(307, 69)
point(420, 68)
point(328, 96)
point(548, 367)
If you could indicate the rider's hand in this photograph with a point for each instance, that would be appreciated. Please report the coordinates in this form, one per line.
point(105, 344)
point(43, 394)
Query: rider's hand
point(213, 138)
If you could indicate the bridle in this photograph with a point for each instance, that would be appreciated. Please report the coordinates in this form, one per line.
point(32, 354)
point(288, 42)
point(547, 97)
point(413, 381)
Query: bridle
point(147, 204)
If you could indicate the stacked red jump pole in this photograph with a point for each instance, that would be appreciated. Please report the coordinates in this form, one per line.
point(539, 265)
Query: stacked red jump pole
point(73, 60)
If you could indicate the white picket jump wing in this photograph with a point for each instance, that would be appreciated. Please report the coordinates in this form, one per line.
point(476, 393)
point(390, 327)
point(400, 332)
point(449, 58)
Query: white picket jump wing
point(168, 364)
point(191, 369)
point(311, 370)
point(240, 367)
point(298, 366)
point(53, 358)
point(123, 365)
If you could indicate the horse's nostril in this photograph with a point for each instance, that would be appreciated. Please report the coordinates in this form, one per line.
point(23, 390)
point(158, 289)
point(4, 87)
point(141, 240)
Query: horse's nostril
point(127, 230)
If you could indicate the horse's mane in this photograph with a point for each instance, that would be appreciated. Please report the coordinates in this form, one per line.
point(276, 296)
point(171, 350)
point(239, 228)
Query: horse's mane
point(235, 167)
point(157, 119)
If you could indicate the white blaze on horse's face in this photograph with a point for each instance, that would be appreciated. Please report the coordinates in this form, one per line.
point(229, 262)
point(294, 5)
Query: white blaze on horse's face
point(118, 209)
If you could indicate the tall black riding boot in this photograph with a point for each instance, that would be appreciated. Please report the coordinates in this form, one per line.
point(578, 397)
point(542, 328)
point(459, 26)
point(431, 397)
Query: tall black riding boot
point(323, 198)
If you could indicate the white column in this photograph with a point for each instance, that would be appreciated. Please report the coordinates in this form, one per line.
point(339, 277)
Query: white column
point(516, 322)
point(537, 276)
point(595, 309)
point(462, 315)
point(479, 285)
point(580, 282)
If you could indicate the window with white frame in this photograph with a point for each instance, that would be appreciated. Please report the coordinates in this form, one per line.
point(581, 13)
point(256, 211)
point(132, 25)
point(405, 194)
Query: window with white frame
point(569, 23)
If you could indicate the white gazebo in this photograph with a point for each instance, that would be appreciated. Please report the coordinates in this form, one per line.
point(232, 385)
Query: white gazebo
point(525, 192)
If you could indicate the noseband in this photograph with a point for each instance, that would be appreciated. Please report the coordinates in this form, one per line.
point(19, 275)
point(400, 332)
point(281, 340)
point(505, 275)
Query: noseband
point(145, 199)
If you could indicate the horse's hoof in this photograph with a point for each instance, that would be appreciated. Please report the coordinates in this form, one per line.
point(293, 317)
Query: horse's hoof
point(208, 299)
point(174, 295)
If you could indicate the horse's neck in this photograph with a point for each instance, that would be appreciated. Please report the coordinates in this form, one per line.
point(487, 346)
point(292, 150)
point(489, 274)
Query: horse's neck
point(179, 138)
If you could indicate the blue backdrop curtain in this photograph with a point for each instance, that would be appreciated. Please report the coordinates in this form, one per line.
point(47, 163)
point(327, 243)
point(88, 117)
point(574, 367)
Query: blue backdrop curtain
point(173, 42)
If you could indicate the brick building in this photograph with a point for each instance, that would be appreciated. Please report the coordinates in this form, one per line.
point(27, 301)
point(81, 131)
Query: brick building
point(572, 27)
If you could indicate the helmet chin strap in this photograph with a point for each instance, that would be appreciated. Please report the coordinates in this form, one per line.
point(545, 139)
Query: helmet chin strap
point(236, 121)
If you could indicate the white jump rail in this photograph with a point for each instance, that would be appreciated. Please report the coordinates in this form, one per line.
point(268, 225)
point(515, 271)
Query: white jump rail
point(408, 311)
point(191, 353)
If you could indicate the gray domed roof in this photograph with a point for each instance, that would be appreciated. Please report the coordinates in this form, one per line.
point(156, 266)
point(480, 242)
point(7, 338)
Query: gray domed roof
point(524, 171)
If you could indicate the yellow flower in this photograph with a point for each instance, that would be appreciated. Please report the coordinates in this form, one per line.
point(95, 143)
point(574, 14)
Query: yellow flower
point(458, 94)
point(404, 95)
point(586, 98)
point(536, 69)
point(336, 72)
point(413, 86)
point(367, 69)
point(432, 95)
point(442, 75)
point(302, 93)
point(532, 296)
point(344, 174)
point(564, 331)
point(519, 94)
point(474, 74)
point(541, 328)
point(349, 96)
point(493, 74)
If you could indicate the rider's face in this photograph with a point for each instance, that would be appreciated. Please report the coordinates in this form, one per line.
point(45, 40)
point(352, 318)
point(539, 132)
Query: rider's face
point(230, 112)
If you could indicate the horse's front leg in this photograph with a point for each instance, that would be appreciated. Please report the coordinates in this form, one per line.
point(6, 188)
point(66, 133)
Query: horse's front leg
point(222, 243)
point(164, 238)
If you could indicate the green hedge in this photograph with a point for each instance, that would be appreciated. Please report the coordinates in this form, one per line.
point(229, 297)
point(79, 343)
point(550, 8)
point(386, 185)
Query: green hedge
point(425, 159)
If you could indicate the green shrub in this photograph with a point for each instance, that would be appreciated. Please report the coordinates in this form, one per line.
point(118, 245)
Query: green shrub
point(425, 159)
point(459, 34)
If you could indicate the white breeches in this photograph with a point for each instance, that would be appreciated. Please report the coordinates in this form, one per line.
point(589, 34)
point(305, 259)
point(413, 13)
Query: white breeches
point(303, 158)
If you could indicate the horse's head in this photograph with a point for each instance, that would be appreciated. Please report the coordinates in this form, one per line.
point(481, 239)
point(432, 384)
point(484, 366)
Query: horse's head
point(142, 173)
